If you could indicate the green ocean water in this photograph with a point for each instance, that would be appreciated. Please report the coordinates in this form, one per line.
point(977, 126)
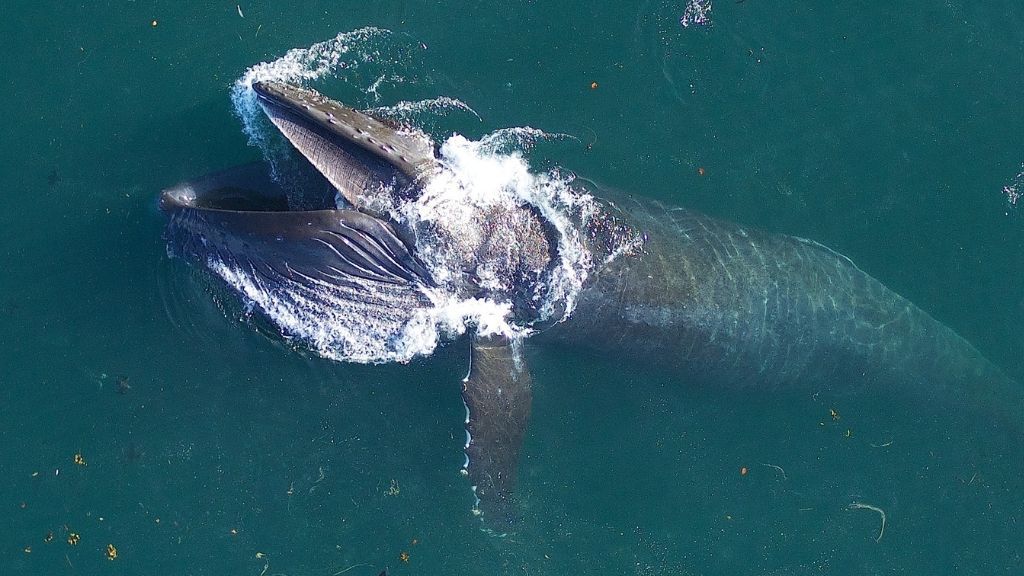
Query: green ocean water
point(892, 134)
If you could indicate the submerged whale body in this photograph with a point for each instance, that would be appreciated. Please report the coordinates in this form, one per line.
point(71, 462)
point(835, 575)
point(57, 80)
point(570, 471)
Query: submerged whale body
point(716, 301)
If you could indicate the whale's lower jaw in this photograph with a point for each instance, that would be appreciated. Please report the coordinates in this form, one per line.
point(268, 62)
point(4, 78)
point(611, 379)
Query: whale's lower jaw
point(338, 281)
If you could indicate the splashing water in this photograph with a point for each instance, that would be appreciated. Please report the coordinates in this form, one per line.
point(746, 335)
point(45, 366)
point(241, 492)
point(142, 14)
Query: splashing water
point(348, 50)
point(1012, 194)
point(518, 139)
point(477, 179)
point(1015, 189)
point(474, 178)
point(413, 112)
point(696, 13)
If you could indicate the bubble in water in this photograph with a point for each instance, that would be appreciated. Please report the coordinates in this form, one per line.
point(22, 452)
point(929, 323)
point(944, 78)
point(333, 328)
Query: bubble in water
point(1012, 195)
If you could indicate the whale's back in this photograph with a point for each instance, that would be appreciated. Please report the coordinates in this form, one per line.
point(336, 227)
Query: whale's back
point(742, 307)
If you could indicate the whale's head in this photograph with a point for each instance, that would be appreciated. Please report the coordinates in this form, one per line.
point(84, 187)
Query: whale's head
point(348, 272)
point(361, 166)
point(370, 163)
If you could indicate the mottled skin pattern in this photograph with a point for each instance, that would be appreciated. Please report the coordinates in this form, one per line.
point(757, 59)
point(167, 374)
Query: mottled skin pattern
point(733, 306)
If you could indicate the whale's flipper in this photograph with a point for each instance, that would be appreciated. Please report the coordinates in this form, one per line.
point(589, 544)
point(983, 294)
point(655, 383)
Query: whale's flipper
point(498, 394)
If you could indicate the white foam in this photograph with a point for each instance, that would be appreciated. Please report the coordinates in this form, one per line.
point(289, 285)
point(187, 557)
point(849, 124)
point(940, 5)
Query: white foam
point(696, 13)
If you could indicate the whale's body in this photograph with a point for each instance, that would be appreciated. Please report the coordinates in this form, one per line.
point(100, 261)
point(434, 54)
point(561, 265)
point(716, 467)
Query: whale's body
point(715, 301)
point(720, 302)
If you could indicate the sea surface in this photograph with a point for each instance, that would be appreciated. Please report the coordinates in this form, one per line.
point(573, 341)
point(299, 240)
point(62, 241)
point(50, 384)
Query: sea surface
point(142, 412)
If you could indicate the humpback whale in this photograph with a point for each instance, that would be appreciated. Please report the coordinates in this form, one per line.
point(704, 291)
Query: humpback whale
point(718, 302)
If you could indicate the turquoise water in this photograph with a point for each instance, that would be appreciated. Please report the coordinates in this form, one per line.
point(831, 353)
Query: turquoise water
point(891, 134)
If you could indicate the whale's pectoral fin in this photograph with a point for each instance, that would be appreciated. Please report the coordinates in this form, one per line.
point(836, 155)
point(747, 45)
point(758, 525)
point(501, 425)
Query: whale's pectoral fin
point(498, 394)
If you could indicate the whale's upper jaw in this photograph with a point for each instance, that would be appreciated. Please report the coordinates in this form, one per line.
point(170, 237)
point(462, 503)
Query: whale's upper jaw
point(358, 154)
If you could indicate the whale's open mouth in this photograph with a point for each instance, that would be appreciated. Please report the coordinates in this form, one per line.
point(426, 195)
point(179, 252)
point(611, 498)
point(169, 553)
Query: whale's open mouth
point(243, 214)
point(358, 156)
point(344, 281)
